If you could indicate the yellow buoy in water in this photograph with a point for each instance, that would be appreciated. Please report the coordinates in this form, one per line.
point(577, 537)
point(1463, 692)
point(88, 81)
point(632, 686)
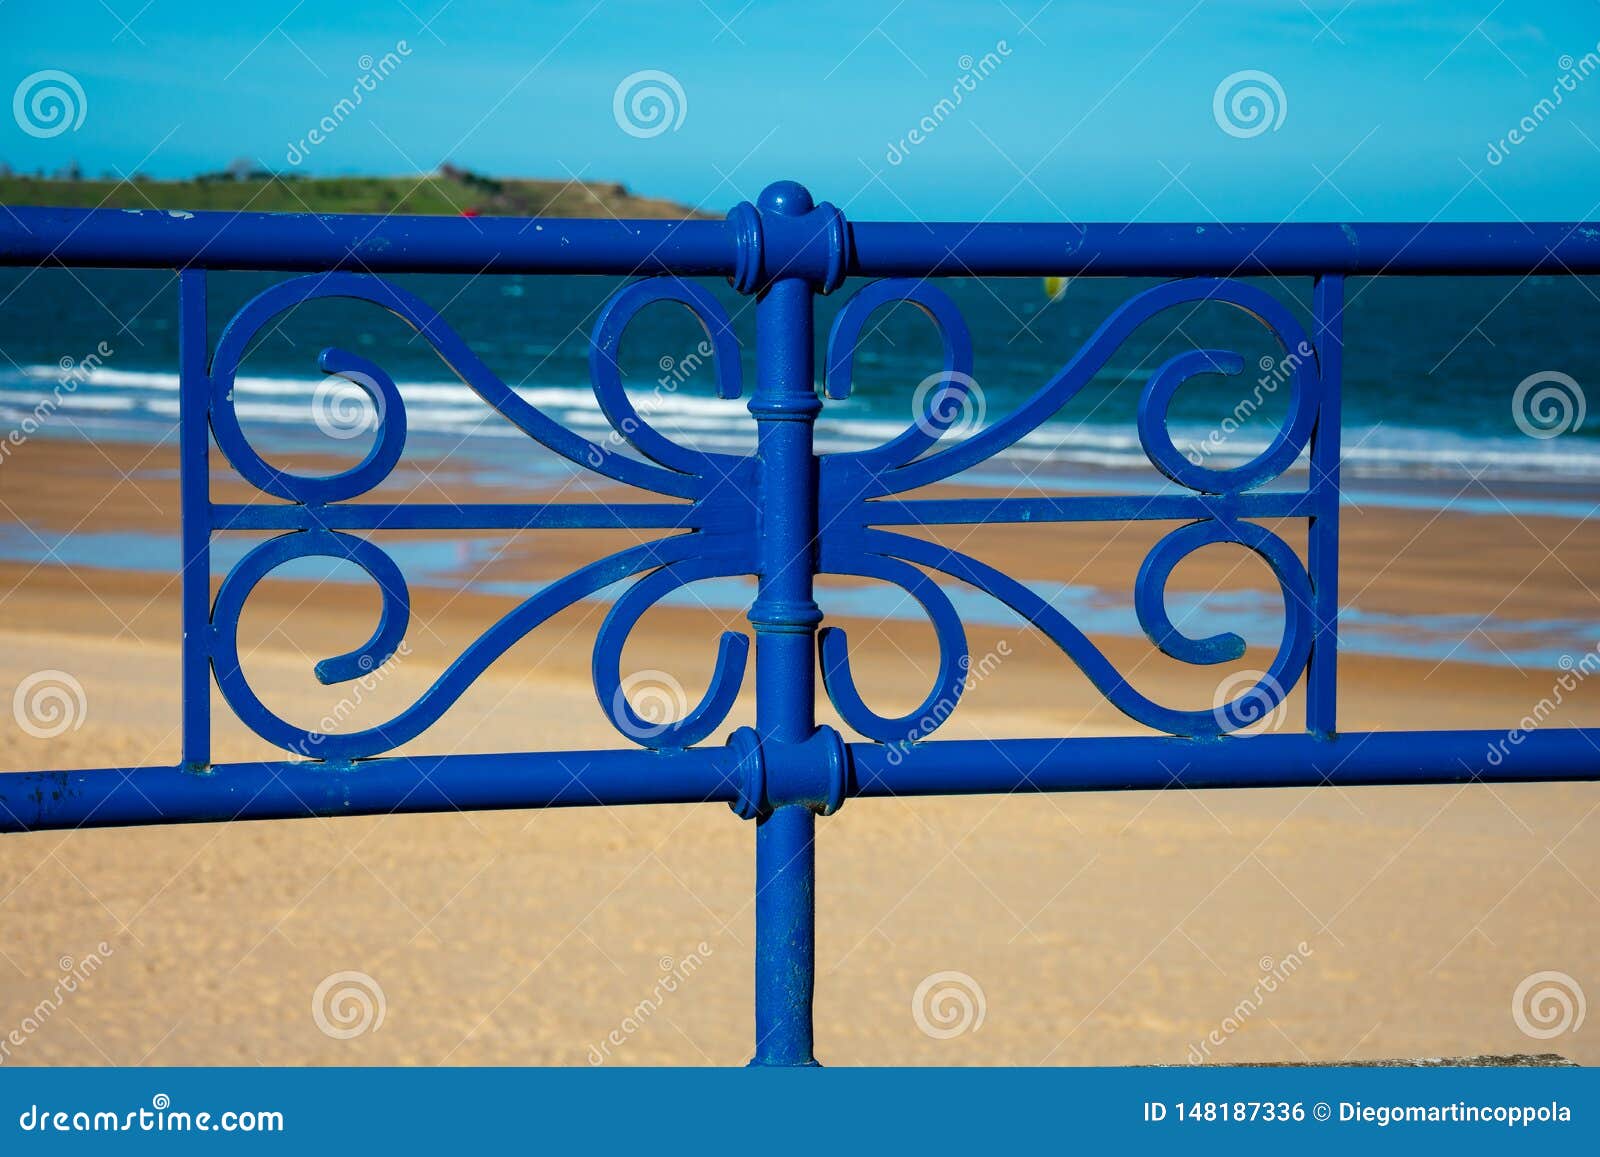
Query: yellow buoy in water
point(1054, 287)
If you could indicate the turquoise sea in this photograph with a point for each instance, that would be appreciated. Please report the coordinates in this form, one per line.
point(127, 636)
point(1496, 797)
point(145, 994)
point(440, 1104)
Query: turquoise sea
point(1432, 369)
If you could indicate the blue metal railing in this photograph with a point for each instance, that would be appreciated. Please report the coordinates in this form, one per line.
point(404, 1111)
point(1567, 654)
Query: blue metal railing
point(784, 515)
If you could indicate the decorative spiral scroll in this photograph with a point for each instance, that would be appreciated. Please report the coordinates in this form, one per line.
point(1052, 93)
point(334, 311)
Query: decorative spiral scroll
point(948, 683)
point(1149, 599)
point(373, 469)
point(894, 467)
point(672, 470)
point(732, 651)
point(851, 547)
point(942, 405)
point(607, 376)
point(676, 557)
point(667, 468)
point(1154, 436)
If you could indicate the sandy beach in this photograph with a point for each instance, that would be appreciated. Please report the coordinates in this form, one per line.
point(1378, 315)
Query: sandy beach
point(1101, 929)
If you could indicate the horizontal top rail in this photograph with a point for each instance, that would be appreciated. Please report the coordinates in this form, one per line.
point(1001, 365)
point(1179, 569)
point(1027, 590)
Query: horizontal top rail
point(807, 245)
point(165, 239)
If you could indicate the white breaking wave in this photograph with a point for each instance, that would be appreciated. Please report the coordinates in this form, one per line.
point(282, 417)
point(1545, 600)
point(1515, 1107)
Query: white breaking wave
point(138, 399)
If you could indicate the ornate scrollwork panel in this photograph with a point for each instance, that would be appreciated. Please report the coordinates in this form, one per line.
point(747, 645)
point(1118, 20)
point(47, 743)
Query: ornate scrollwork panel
point(852, 482)
point(720, 515)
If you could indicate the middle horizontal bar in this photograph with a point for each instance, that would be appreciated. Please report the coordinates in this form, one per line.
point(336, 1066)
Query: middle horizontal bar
point(1083, 508)
point(468, 516)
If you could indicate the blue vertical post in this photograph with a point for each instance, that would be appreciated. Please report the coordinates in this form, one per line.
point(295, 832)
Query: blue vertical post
point(1323, 547)
point(194, 489)
point(785, 617)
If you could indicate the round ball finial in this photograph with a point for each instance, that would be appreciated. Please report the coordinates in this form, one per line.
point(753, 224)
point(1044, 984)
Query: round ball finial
point(790, 198)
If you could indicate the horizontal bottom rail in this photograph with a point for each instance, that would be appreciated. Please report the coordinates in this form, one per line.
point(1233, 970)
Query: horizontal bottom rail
point(1356, 759)
point(127, 796)
point(121, 797)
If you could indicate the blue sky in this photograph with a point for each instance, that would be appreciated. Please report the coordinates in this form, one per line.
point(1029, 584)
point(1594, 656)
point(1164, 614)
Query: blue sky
point(1103, 111)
